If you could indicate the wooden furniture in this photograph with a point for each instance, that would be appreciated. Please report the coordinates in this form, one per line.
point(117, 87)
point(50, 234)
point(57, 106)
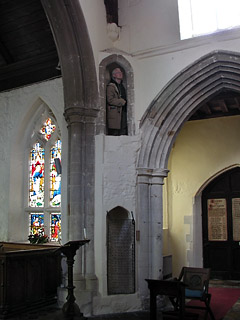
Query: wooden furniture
point(197, 282)
point(171, 289)
point(29, 277)
point(71, 310)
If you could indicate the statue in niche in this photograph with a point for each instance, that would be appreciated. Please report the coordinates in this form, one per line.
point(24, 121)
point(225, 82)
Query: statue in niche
point(116, 105)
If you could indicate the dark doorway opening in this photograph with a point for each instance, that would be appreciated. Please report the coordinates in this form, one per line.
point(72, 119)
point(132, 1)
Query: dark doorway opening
point(221, 225)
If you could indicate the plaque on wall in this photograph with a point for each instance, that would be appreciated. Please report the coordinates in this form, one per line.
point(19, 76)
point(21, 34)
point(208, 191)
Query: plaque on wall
point(236, 218)
point(120, 255)
point(217, 220)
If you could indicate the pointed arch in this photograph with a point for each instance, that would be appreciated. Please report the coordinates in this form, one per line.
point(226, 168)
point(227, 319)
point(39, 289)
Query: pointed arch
point(28, 134)
point(164, 118)
point(75, 52)
point(214, 72)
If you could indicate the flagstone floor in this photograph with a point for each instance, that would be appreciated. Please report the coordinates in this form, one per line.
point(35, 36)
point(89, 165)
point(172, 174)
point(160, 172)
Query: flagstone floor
point(54, 313)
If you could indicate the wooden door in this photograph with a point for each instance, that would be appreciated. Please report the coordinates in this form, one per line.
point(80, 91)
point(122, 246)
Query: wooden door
point(221, 225)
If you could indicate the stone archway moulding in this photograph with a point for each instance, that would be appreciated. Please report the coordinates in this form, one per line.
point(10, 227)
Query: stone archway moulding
point(217, 71)
point(70, 32)
point(75, 52)
point(167, 113)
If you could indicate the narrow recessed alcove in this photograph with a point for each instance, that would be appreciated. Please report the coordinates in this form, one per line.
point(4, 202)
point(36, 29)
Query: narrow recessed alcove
point(120, 252)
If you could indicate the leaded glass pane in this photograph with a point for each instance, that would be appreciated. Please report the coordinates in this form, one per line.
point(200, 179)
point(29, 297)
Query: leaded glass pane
point(55, 226)
point(48, 128)
point(55, 175)
point(36, 223)
point(36, 173)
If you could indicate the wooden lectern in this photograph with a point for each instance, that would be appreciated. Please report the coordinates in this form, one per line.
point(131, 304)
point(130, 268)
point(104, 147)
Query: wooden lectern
point(71, 310)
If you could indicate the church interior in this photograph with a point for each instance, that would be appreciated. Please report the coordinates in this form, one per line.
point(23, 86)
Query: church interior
point(119, 141)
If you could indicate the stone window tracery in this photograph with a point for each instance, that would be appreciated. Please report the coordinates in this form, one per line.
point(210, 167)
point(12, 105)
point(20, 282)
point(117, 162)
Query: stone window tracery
point(44, 179)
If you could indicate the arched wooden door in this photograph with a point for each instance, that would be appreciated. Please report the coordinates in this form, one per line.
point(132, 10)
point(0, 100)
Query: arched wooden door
point(221, 225)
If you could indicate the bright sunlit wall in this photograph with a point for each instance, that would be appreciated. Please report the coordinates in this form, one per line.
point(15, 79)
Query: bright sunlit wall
point(207, 16)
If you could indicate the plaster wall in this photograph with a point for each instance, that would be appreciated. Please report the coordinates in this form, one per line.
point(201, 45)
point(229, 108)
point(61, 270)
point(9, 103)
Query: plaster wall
point(17, 107)
point(155, 52)
point(155, 21)
point(115, 185)
point(95, 16)
point(202, 150)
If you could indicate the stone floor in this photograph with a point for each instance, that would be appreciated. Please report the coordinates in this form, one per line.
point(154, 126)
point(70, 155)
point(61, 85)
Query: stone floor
point(54, 313)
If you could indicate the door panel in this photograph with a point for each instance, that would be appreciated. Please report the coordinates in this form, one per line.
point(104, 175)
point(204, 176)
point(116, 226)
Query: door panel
point(221, 225)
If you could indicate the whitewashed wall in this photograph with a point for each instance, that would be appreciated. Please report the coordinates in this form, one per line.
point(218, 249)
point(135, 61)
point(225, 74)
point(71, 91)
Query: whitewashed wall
point(17, 107)
point(116, 160)
point(152, 20)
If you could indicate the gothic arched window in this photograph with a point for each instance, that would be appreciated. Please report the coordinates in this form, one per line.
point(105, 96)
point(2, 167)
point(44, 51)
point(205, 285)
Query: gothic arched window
point(44, 176)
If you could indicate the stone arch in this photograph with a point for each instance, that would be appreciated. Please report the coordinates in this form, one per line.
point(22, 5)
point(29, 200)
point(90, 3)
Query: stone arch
point(214, 72)
point(164, 118)
point(105, 68)
point(75, 52)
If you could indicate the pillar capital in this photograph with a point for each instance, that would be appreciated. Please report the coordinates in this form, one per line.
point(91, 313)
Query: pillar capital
point(80, 114)
point(152, 176)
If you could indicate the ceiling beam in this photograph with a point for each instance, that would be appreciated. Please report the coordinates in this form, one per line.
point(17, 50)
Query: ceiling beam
point(29, 71)
point(236, 100)
point(5, 53)
point(206, 109)
point(224, 107)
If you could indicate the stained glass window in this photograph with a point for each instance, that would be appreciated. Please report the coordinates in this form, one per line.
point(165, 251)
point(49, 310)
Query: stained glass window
point(36, 223)
point(48, 128)
point(36, 192)
point(45, 172)
point(55, 226)
point(55, 174)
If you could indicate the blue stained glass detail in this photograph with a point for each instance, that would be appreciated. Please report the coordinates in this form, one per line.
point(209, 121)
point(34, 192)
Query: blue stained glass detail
point(36, 223)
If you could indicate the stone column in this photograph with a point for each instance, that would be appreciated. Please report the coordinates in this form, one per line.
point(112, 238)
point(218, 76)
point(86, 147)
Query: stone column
point(142, 245)
point(149, 247)
point(156, 223)
point(81, 168)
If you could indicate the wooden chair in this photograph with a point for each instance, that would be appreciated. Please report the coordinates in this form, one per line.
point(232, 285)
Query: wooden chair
point(171, 289)
point(197, 282)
